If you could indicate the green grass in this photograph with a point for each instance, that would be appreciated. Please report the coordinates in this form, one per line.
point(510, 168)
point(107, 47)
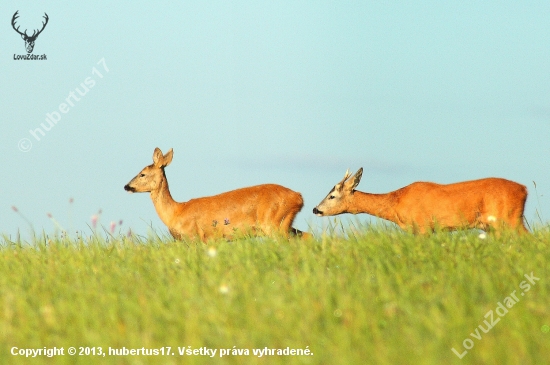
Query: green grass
point(379, 296)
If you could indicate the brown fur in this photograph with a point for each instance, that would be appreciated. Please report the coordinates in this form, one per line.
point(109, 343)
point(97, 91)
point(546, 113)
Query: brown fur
point(424, 206)
point(261, 209)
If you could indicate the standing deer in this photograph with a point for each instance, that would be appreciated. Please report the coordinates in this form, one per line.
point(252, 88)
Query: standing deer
point(29, 40)
point(423, 206)
point(261, 209)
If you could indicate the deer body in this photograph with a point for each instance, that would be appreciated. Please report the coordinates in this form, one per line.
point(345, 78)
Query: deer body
point(423, 206)
point(261, 209)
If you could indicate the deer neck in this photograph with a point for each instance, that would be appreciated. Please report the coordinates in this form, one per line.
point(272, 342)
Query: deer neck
point(164, 204)
point(379, 205)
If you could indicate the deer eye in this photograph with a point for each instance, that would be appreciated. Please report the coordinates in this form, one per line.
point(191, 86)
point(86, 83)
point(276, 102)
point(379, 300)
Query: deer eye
point(331, 197)
point(141, 175)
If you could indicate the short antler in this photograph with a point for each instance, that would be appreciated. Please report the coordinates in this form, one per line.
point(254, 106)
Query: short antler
point(346, 176)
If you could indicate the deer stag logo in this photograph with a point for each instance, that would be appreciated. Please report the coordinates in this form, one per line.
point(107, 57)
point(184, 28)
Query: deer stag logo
point(29, 40)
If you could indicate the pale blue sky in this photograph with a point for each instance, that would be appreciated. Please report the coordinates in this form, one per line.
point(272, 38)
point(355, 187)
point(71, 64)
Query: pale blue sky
point(290, 92)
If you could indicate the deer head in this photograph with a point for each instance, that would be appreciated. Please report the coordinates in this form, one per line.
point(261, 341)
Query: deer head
point(29, 40)
point(338, 199)
point(151, 176)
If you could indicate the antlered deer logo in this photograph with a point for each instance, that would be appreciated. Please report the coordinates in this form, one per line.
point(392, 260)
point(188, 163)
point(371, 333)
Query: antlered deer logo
point(29, 40)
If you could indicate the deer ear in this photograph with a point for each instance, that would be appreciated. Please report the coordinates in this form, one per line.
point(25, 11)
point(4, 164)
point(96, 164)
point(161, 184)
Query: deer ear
point(157, 157)
point(167, 158)
point(352, 183)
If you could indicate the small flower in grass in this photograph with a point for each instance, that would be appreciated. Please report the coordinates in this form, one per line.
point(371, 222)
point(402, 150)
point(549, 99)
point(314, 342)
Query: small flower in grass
point(94, 221)
point(212, 252)
point(177, 261)
point(71, 200)
point(129, 234)
point(482, 235)
point(14, 208)
point(120, 222)
point(49, 215)
point(226, 221)
point(224, 289)
point(113, 226)
point(491, 218)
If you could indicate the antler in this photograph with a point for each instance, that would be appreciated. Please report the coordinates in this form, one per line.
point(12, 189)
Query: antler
point(15, 16)
point(43, 26)
point(346, 176)
point(34, 34)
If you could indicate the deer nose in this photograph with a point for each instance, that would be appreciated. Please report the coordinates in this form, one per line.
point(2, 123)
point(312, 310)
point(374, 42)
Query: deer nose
point(317, 211)
point(128, 188)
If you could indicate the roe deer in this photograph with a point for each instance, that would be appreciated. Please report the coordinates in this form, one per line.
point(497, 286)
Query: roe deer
point(261, 209)
point(424, 206)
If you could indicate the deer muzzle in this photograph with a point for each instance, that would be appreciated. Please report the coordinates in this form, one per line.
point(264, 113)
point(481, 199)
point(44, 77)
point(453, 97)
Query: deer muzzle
point(130, 189)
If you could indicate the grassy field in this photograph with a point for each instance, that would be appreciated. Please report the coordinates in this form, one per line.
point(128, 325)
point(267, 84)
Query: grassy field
point(378, 296)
